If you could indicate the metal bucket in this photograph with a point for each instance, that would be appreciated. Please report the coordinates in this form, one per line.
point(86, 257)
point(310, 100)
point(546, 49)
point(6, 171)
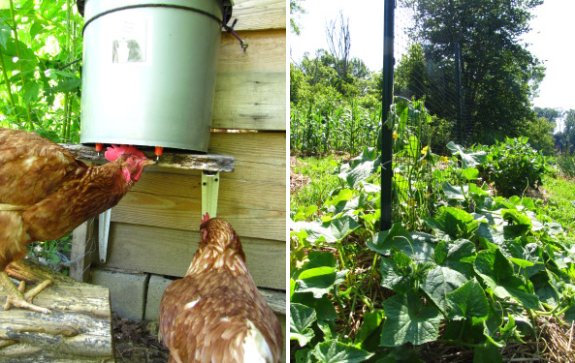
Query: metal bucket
point(149, 71)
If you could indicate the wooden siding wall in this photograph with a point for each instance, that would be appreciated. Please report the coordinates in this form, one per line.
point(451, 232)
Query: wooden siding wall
point(155, 227)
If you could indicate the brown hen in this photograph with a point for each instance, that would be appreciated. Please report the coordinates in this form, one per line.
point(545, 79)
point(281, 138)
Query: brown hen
point(45, 193)
point(215, 313)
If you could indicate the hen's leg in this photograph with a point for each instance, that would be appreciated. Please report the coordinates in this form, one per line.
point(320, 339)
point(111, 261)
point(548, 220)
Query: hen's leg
point(17, 299)
point(26, 272)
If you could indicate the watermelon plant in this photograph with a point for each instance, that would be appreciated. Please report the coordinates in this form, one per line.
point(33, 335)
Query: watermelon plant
point(514, 166)
point(469, 270)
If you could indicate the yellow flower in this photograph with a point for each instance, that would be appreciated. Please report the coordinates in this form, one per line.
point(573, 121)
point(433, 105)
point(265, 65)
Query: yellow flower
point(395, 135)
point(425, 150)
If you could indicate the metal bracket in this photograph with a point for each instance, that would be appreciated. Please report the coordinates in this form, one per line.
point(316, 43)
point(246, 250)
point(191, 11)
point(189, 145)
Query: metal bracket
point(104, 234)
point(210, 187)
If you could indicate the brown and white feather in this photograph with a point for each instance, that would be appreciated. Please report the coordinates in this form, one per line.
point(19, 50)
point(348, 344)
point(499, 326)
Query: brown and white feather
point(215, 313)
point(45, 192)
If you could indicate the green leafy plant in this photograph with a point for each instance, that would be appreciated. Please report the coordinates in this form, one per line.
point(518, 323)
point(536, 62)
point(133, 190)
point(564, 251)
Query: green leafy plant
point(40, 53)
point(476, 272)
point(566, 164)
point(514, 166)
point(413, 162)
point(40, 46)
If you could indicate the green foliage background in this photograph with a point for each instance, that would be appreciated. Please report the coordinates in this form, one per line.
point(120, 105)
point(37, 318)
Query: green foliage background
point(40, 63)
point(40, 77)
point(473, 266)
point(498, 79)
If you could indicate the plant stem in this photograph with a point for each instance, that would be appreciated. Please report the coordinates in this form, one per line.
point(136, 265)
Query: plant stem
point(18, 54)
point(7, 80)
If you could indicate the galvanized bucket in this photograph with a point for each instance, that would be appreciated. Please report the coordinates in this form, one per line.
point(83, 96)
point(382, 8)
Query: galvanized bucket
point(149, 71)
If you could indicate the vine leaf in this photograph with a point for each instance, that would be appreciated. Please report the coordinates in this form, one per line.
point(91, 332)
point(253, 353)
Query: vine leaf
point(301, 319)
point(332, 351)
point(409, 320)
point(439, 282)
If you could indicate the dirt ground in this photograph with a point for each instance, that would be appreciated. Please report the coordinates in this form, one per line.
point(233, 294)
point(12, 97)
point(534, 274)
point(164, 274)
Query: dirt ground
point(296, 180)
point(137, 342)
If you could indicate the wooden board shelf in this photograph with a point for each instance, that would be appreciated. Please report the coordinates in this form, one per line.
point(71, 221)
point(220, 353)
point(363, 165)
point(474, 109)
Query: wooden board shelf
point(182, 161)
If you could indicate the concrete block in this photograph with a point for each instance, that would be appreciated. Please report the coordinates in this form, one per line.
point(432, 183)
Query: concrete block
point(127, 291)
point(156, 287)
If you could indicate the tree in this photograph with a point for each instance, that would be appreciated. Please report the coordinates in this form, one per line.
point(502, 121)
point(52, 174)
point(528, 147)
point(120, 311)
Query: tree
point(411, 78)
point(566, 138)
point(492, 74)
point(339, 45)
point(294, 8)
point(550, 114)
point(540, 134)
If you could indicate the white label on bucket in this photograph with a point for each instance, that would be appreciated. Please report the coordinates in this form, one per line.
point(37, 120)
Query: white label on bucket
point(129, 41)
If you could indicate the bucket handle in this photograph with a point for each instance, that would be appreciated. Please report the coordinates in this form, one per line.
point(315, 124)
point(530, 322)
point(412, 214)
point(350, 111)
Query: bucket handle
point(230, 29)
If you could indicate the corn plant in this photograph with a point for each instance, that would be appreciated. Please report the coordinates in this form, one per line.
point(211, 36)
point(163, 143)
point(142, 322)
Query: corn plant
point(328, 126)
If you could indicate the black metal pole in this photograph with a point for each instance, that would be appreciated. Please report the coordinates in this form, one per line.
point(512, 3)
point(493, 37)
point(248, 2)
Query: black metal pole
point(387, 99)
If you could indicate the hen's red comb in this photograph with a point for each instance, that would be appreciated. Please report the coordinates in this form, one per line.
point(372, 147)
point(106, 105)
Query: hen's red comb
point(114, 152)
point(206, 217)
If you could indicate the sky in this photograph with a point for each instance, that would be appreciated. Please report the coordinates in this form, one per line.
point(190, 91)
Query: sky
point(552, 27)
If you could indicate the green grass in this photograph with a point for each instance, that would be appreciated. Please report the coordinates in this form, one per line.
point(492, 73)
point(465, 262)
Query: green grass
point(561, 201)
point(323, 180)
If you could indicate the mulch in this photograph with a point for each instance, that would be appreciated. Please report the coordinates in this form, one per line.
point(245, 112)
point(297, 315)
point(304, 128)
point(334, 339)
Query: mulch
point(137, 342)
point(296, 181)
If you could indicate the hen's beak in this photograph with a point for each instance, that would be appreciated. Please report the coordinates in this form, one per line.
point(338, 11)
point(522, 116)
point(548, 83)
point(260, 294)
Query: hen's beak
point(148, 162)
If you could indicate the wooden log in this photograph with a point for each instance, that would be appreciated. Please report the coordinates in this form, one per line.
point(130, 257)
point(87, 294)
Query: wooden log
point(77, 330)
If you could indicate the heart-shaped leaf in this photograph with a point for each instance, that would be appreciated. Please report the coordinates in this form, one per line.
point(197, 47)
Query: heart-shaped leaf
point(301, 319)
point(409, 319)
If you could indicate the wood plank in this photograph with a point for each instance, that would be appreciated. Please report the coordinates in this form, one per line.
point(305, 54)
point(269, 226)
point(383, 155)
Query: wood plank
point(250, 91)
point(169, 252)
point(259, 156)
point(252, 198)
point(266, 52)
point(259, 14)
point(259, 217)
point(83, 248)
point(255, 101)
point(275, 299)
point(169, 160)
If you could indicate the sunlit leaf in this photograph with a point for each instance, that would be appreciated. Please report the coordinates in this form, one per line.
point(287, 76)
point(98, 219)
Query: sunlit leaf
point(318, 280)
point(471, 159)
point(336, 352)
point(439, 282)
point(468, 302)
point(371, 322)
